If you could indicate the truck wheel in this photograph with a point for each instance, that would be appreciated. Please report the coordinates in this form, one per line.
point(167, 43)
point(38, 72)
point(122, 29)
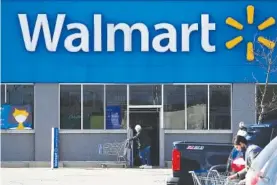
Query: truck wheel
point(172, 181)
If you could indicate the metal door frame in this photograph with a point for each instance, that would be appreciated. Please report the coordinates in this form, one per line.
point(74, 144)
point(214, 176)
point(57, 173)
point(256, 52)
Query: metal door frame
point(161, 130)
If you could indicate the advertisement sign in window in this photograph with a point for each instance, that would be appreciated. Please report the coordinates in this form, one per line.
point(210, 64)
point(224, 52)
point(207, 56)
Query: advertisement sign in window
point(16, 117)
point(113, 117)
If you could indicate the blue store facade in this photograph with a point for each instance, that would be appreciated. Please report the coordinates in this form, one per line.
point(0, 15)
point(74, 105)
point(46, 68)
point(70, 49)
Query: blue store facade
point(183, 69)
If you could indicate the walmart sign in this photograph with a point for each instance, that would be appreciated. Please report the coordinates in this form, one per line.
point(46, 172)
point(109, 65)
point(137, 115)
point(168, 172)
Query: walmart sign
point(52, 40)
point(130, 41)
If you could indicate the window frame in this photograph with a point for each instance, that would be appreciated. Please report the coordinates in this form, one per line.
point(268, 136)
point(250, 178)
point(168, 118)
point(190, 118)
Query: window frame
point(127, 89)
point(231, 103)
point(181, 131)
point(82, 130)
point(208, 105)
point(173, 131)
point(185, 103)
point(146, 84)
point(256, 93)
point(32, 131)
point(82, 108)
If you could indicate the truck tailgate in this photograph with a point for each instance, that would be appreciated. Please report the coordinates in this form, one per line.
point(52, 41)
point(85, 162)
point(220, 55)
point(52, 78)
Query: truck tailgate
point(195, 156)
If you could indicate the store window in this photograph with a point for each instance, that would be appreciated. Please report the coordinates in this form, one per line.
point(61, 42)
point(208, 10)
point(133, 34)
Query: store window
point(20, 94)
point(70, 106)
point(194, 108)
point(197, 107)
point(270, 102)
point(220, 107)
point(93, 102)
point(174, 106)
point(116, 107)
point(145, 94)
point(20, 107)
point(3, 92)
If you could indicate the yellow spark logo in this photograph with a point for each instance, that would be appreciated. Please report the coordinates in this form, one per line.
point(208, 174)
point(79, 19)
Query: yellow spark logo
point(250, 20)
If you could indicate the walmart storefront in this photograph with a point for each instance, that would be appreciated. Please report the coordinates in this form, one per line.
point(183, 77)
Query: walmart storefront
point(185, 70)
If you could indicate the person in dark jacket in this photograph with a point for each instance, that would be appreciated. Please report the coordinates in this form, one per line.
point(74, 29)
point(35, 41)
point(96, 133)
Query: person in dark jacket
point(252, 151)
point(143, 143)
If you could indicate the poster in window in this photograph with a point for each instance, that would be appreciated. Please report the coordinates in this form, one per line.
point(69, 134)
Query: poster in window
point(113, 117)
point(16, 117)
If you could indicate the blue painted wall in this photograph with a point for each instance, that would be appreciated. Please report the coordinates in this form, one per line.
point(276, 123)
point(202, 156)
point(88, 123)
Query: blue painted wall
point(42, 66)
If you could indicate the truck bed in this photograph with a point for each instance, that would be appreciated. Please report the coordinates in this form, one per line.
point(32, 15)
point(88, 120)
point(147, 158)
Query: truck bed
point(195, 156)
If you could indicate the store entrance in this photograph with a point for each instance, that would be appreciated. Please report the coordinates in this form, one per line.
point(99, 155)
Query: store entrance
point(149, 120)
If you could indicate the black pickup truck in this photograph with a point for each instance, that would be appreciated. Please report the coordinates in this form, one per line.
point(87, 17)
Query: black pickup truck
point(189, 156)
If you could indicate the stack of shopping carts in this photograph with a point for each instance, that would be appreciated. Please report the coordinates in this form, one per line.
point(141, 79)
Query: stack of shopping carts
point(211, 177)
point(116, 149)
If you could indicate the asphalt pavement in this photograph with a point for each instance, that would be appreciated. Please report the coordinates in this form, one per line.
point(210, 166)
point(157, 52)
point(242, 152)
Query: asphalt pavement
point(75, 176)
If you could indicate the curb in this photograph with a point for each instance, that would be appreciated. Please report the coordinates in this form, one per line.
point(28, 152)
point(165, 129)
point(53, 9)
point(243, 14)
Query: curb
point(62, 164)
point(68, 164)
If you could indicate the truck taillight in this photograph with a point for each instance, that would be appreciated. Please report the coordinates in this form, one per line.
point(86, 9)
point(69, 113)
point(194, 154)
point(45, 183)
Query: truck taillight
point(176, 160)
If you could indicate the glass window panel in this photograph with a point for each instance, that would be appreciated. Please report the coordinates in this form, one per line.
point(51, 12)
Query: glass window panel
point(145, 94)
point(116, 107)
point(197, 107)
point(220, 107)
point(22, 96)
point(2, 94)
point(174, 106)
point(93, 102)
point(70, 106)
point(270, 102)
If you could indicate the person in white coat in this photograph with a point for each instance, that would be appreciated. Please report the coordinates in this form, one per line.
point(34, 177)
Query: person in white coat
point(242, 129)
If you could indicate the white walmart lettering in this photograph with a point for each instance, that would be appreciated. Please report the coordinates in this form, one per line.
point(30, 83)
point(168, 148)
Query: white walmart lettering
point(82, 34)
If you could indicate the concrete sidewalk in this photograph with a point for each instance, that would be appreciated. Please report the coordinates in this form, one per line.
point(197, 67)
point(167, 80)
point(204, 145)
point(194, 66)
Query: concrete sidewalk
point(74, 176)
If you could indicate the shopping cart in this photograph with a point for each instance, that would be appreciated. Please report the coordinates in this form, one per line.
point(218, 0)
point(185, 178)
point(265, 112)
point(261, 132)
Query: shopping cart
point(117, 149)
point(211, 177)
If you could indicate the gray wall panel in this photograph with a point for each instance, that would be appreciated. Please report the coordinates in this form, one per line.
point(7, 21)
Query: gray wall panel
point(84, 147)
point(17, 147)
point(170, 138)
point(243, 105)
point(46, 117)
